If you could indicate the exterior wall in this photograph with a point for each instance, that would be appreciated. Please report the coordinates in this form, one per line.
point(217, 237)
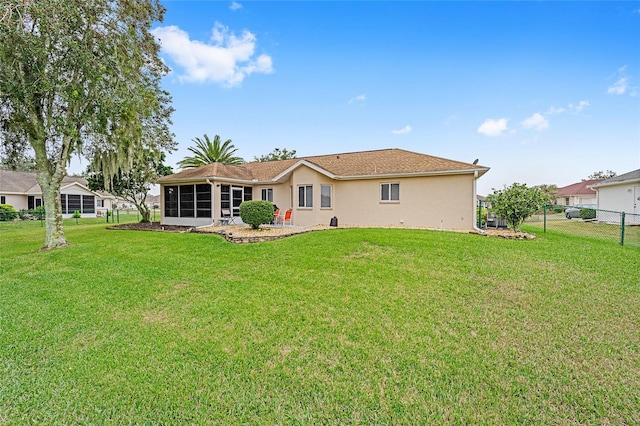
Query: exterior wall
point(18, 202)
point(618, 198)
point(443, 202)
point(575, 200)
point(191, 221)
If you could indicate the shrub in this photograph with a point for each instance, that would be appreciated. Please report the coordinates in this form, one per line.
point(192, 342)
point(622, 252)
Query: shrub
point(39, 212)
point(587, 214)
point(7, 212)
point(24, 214)
point(256, 213)
point(516, 203)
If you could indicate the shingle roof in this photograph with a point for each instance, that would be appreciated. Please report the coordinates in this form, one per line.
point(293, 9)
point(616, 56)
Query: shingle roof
point(633, 175)
point(26, 183)
point(580, 188)
point(347, 165)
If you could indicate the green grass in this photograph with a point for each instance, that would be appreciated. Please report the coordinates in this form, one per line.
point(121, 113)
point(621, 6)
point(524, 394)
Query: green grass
point(357, 326)
point(592, 229)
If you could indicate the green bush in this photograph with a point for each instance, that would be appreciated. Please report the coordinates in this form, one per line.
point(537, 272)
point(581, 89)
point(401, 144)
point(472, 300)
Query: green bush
point(587, 214)
point(256, 213)
point(7, 212)
point(24, 214)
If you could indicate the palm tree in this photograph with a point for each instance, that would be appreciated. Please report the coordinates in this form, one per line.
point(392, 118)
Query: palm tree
point(207, 152)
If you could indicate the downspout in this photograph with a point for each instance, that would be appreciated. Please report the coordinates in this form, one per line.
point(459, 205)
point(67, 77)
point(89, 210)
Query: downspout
point(475, 205)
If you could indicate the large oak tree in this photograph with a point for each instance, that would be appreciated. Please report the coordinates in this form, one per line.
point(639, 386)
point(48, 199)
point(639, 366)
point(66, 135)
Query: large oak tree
point(81, 77)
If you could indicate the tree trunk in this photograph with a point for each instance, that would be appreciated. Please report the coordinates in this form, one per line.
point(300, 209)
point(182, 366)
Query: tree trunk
point(145, 213)
point(53, 211)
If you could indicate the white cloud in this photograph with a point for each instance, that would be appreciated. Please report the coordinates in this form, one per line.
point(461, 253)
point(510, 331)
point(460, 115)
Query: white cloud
point(536, 121)
point(553, 110)
point(451, 119)
point(405, 129)
point(235, 5)
point(492, 127)
point(359, 98)
point(581, 105)
point(226, 58)
point(621, 84)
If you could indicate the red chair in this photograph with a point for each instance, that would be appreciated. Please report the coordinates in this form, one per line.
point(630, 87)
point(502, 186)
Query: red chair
point(276, 215)
point(287, 217)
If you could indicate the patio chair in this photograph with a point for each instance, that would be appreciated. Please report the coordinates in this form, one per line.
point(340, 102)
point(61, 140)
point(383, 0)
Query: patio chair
point(227, 218)
point(276, 215)
point(287, 217)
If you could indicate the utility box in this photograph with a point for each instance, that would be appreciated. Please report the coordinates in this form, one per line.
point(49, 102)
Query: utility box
point(333, 221)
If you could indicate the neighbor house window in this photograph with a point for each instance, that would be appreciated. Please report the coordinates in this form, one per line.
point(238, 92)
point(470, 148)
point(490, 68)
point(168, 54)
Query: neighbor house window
point(305, 196)
point(325, 196)
point(390, 192)
point(99, 203)
point(88, 204)
point(267, 194)
point(3, 200)
point(566, 201)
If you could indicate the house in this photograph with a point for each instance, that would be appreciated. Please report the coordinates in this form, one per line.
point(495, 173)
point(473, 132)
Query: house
point(577, 194)
point(388, 187)
point(22, 191)
point(620, 194)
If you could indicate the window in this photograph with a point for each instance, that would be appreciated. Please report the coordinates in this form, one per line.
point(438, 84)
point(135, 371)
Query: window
point(566, 201)
point(171, 201)
point(99, 203)
point(267, 194)
point(203, 200)
point(88, 204)
point(74, 202)
point(3, 199)
point(63, 202)
point(187, 201)
point(390, 192)
point(305, 196)
point(325, 196)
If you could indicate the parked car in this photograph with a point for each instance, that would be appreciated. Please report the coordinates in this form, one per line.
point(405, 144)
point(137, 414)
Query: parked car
point(574, 212)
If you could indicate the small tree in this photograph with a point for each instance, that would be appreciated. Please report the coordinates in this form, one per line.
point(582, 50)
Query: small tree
point(549, 192)
point(516, 203)
point(256, 213)
point(133, 185)
point(277, 154)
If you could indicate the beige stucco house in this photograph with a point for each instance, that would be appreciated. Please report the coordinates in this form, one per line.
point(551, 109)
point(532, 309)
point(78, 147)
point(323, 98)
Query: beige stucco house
point(389, 187)
point(22, 191)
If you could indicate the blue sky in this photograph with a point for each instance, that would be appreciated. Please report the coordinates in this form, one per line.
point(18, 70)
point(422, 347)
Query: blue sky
point(541, 92)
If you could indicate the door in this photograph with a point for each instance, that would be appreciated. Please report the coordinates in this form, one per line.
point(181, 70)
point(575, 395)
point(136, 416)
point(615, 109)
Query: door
point(237, 195)
point(636, 199)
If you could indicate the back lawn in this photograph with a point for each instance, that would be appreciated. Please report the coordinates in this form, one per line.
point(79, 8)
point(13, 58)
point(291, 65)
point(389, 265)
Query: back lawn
point(357, 326)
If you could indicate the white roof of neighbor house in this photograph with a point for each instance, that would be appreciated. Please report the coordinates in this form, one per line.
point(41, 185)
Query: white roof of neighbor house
point(633, 176)
point(12, 182)
point(351, 165)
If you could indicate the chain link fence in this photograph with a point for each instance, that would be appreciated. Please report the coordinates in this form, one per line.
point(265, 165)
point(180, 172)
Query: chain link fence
point(620, 227)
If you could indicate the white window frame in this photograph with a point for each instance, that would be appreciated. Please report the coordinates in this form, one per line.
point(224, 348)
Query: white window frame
point(390, 192)
point(266, 194)
point(306, 188)
point(330, 206)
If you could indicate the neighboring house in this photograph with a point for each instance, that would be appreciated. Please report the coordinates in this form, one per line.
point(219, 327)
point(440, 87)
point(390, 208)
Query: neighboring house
point(577, 194)
point(620, 194)
point(389, 187)
point(22, 191)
